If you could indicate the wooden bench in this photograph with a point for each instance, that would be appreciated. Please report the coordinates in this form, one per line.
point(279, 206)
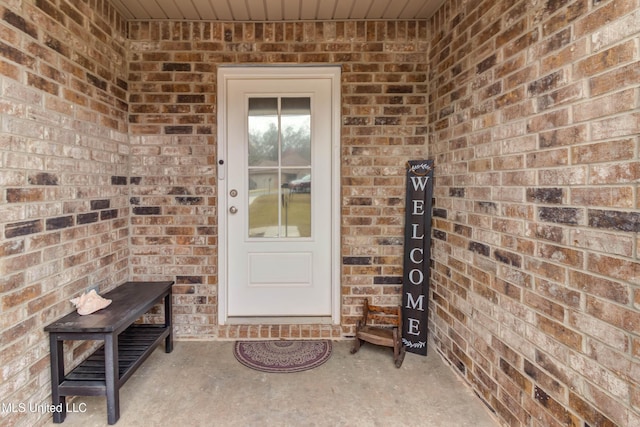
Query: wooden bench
point(126, 345)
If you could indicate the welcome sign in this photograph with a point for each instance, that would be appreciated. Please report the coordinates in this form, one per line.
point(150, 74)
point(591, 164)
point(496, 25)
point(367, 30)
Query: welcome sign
point(417, 253)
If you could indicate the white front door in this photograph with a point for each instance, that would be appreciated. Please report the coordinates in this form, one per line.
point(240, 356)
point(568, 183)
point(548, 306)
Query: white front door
point(276, 198)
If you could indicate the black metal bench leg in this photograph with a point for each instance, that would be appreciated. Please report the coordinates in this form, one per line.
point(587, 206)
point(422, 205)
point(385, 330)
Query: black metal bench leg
point(168, 343)
point(112, 378)
point(57, 373)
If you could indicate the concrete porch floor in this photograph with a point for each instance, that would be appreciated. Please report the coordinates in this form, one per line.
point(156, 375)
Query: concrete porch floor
point(202, 384)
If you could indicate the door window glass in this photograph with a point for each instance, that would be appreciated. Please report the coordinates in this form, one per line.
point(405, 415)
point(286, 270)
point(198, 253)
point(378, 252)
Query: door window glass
point(279, 173)
point(263, 132)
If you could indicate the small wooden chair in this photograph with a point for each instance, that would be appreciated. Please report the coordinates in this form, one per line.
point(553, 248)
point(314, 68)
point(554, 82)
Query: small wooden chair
point(381, 326)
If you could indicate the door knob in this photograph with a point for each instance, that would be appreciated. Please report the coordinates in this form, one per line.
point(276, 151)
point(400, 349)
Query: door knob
point(233, 209)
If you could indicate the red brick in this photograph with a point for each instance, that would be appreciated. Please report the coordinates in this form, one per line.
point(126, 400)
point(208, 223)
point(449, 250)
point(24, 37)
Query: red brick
point(606, 60)
point(550, 120)
point(543, 379)
point(615, 315)
point(614, 197)
point(605, 106)
point(622, 149)
point(608, 406)
point(588, 412)
point(565, 17)
point(565, 56)
point(561, 255)
point(556, 408)
point(14, 299)
point(618, 126)
point(560, 332)
point(603, 16)
point(576, 175)
point(616, 79)
point(544, 305)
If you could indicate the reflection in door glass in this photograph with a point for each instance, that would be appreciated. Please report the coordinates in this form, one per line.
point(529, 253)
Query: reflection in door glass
point(264, 196)
point(263, 132)
point(296, 132)
point(279, 160)
point(296, 203)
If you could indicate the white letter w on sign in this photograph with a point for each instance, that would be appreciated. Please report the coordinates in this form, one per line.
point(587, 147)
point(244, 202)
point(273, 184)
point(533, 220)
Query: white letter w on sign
point(419, 182)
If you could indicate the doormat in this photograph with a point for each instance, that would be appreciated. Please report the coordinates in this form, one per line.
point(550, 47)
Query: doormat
point(282, 355)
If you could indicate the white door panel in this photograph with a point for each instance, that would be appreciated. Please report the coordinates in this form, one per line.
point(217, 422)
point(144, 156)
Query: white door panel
point(276, 195)
point(283, 269)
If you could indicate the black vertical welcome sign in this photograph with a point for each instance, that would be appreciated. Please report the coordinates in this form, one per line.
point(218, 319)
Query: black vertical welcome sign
point(417, 255)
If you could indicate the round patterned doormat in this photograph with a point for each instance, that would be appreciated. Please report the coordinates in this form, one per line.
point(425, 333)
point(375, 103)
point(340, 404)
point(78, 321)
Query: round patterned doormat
point(283, 355)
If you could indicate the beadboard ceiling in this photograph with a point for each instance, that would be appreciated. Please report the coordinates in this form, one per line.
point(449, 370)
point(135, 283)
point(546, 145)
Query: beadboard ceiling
point(276, 10)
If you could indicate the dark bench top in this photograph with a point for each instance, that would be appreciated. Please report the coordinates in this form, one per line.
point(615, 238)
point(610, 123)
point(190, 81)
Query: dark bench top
point(129, 301)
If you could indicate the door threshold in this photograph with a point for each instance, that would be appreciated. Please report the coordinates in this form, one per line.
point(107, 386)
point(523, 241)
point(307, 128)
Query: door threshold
point(288, 320)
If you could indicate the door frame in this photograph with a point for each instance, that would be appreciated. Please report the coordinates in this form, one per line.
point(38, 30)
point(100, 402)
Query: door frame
point(240, 72)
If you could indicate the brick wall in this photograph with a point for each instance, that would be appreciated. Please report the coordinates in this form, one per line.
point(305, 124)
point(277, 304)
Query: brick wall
point(107, 157)
point(107, 147)
point(534, 121)
point(64, 209)
point(172, 81)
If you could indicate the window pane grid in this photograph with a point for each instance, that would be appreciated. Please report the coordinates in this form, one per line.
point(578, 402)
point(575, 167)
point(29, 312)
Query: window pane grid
point(279, 169)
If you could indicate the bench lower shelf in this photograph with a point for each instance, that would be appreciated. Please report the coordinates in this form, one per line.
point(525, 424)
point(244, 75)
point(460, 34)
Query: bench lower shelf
point(135, 344)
